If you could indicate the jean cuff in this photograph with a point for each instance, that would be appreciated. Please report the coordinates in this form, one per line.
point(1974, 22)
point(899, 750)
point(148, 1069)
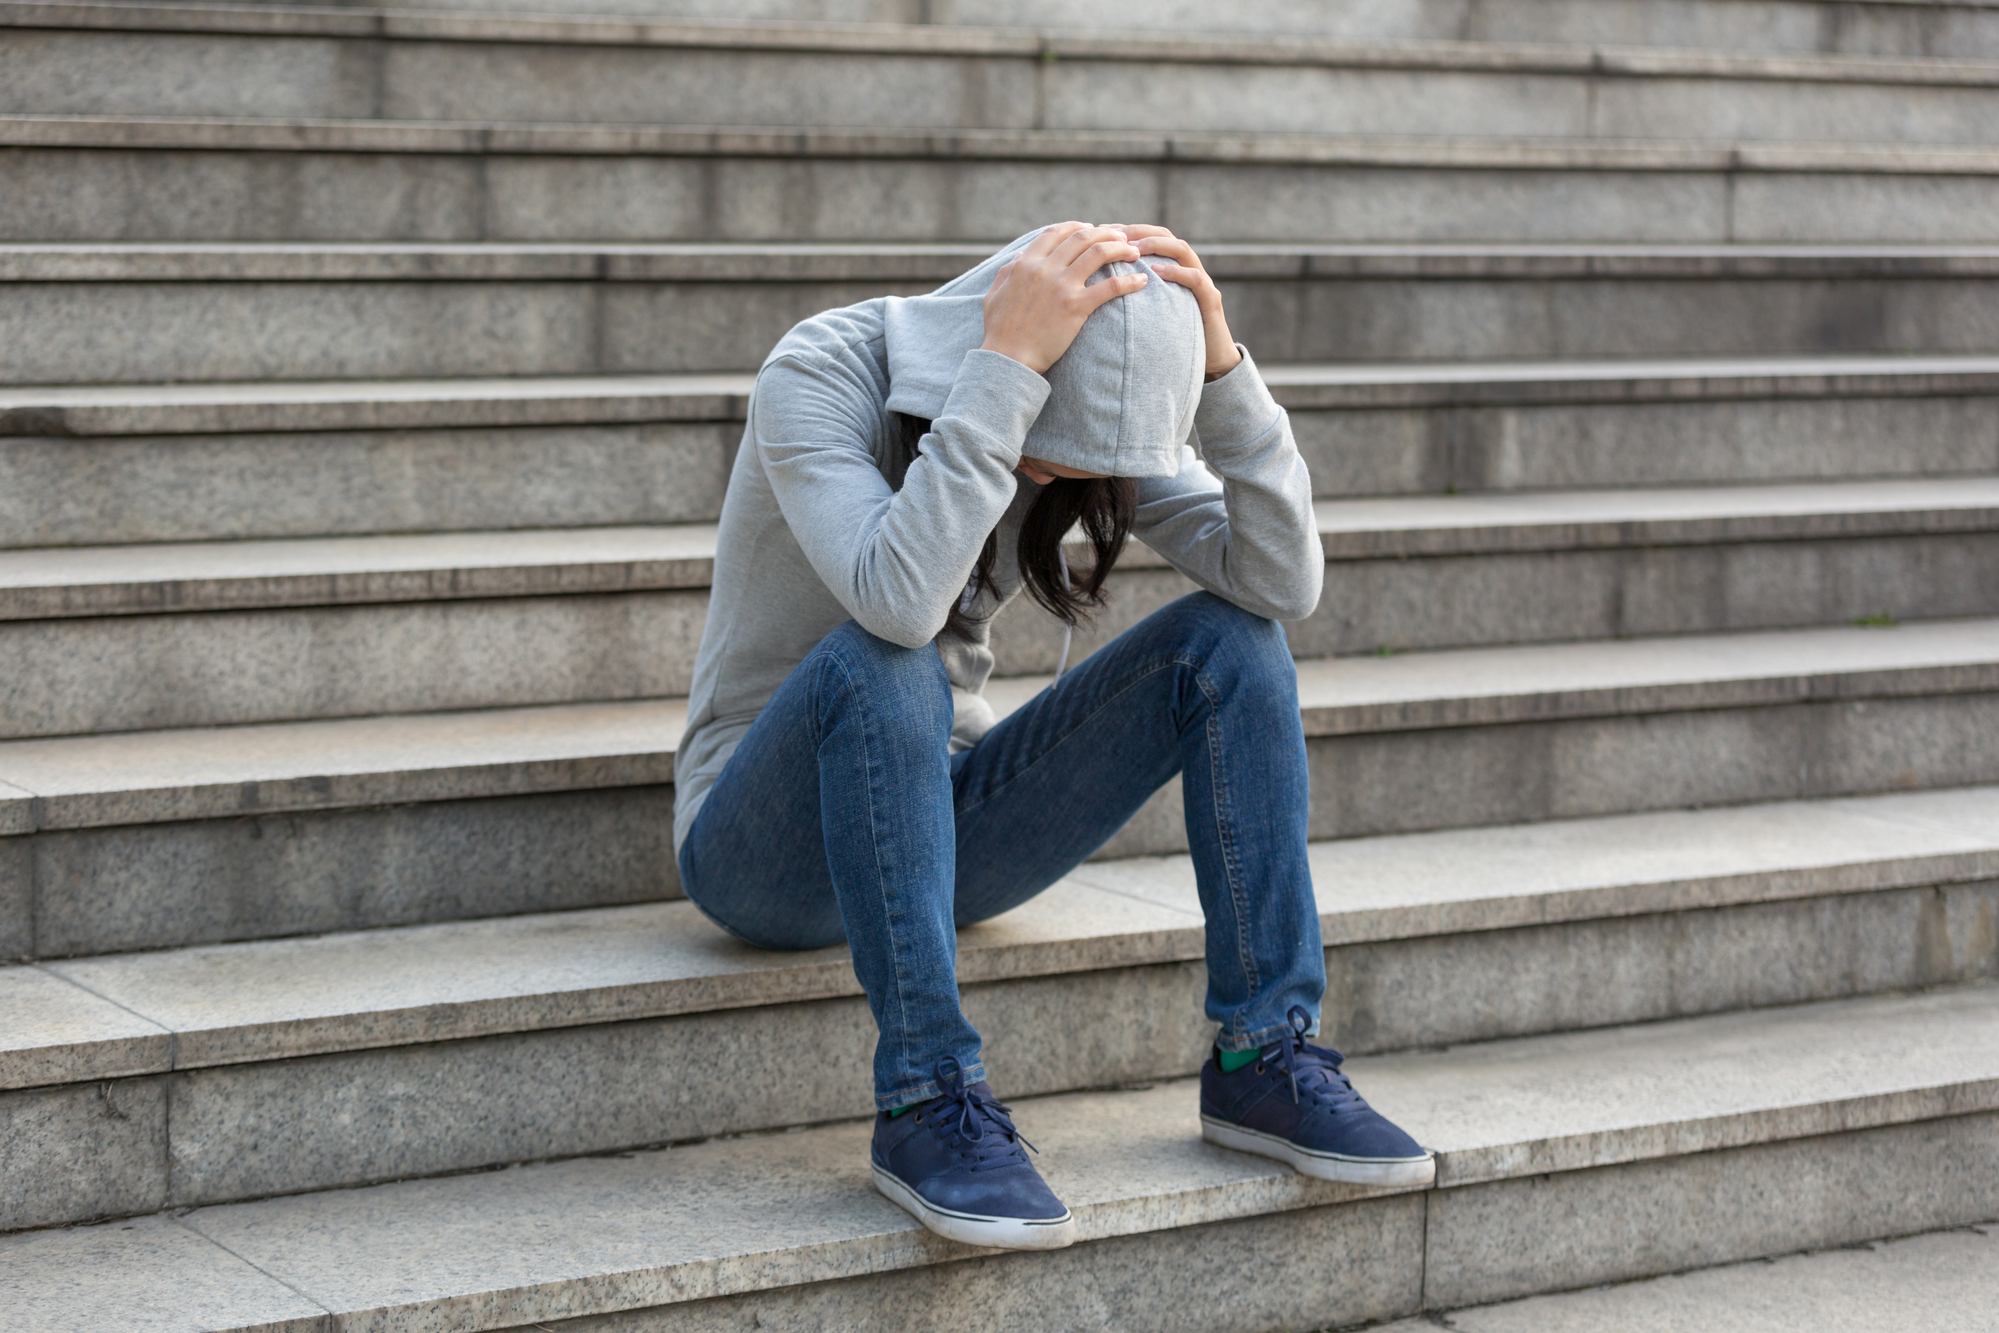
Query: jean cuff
point(975, 1072)
point(1256, 1041)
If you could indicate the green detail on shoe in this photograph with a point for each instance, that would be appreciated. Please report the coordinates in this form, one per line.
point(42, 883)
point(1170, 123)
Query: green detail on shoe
point(900, 1109)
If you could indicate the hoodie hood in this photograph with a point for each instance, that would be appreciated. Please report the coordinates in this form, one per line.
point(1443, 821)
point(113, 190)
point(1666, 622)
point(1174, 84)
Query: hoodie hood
point(1121, 400)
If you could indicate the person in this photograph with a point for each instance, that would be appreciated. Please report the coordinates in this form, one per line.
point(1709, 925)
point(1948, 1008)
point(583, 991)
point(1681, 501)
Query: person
point(909, 466)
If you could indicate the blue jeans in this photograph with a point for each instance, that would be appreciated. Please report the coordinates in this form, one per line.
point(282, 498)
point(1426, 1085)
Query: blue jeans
point(842, 815)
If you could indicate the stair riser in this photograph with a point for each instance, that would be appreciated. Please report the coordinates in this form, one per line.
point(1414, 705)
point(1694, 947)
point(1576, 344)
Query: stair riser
point(110, 490)
point(75, 492)
point(1800, 26)
point(1406, 781)
point(1551, 596)
point(67, 333)
point(220, 74)
point(149, 886)
point(1272, 1272)
point(1399, 451)
point(122, 195)
point(292, 664)
point(194, 670)
point(161, 885)
point(1666, 1216)
point(444, 1106)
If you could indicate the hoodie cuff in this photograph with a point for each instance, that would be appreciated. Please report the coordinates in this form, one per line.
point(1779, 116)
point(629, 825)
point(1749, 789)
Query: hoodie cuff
point(1236, 408)
point(996, 399)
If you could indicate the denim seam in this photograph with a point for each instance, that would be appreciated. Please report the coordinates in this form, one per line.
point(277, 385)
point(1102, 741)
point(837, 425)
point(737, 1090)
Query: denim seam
point(1129, 683)
point(1225, 836)
point(874, 844)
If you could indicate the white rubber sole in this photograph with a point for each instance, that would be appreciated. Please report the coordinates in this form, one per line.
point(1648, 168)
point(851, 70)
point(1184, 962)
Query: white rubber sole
point(1411, 1171)
point(1000, 1233)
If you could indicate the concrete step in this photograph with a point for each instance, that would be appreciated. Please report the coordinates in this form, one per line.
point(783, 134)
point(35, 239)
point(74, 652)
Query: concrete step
point(162, 59)
point(90, 313)
point(1960, 28)
point(120, 638)
point(396, 1036)
point(84, 178)
point(1940, 1279)
point(150, 839)
point(90, 465)
point(1621, 1153)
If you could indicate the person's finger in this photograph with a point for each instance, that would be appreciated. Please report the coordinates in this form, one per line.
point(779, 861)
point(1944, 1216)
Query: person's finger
point(1063, 255)
point(1000, 278)
point(1051, 236)
point(1093, 257)
point(1171, 247)
point(1123, 284)
point(1196, 280)
point(1137, 230)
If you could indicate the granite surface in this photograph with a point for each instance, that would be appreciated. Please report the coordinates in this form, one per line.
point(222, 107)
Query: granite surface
point(219, 668)
point(205, 773)
point(235, 313)
point(1941, 1279)
point(1509, 1238)
point(59, 1032)
point(150, 1275)
point(1443, 892)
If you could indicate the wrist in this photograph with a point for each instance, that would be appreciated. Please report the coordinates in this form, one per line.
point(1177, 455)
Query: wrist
point(1217, 369)
point(1013, 353)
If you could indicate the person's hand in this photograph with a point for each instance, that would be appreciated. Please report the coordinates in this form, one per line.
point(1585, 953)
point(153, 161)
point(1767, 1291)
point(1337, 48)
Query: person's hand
point(1186, 269)
point(1038, 302)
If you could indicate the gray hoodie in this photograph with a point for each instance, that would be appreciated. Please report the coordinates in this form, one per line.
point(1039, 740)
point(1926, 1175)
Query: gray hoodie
point(813, 534)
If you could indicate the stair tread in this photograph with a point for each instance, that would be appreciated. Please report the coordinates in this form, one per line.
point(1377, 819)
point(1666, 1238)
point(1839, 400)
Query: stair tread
point(86, 1019)
point(315, 571)
point(594, 1235)
point(212, 772)
point(274, 405)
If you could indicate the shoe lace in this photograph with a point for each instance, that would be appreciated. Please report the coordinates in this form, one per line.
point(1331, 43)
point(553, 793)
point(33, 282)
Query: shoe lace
point(1314, 1071)
point(972, 1120)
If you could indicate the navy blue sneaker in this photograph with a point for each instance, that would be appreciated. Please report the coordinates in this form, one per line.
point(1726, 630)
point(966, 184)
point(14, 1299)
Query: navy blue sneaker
point(1294, 1104)
point(956, 1163)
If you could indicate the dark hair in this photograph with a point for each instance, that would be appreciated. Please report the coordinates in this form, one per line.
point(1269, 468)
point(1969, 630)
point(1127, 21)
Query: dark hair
point(1103, 506)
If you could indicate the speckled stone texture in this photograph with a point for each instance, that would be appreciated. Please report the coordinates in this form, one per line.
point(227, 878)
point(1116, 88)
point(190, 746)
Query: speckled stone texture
point(269, 666)
point(1096, 85)
point(1941, 1279)
point(150, 1274)
point(232, 193)
point(17, 897)
point(1509, 1238)
point(153, 885)
point(83, 332)
point(82, 1151)
point(1384, 451)
point(1315, 1268)
point(59, 492)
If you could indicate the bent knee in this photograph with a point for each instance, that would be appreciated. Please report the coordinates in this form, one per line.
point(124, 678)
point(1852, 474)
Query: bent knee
point(1225, 635)
point(912, 679)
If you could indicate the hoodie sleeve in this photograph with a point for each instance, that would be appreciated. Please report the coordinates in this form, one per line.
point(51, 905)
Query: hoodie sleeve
point(1242, 526)
point(896, 560)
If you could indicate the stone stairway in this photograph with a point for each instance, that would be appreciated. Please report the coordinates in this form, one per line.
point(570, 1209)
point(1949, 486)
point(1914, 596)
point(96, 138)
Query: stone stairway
point(368, 386)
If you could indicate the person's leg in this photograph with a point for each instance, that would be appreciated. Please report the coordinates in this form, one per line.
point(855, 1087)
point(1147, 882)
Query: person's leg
point(1201, 688)
point(1208, 690)
point(833, 819)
